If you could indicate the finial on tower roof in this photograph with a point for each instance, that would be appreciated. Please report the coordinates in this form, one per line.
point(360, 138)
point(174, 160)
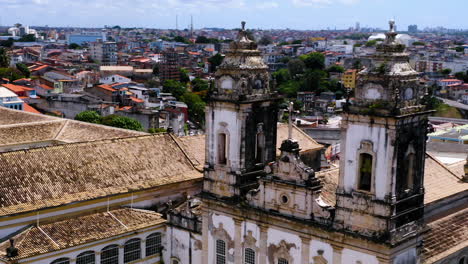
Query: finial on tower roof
point(243, 25)
point(291, 108)
point(392, 25)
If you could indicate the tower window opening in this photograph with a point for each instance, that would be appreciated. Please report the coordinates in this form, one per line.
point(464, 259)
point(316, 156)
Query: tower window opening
point(222, 148)
point(365, 172)
point(409, 171)
point(260, 146)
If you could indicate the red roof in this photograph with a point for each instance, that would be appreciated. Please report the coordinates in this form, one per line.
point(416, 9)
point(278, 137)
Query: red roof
point(137, 100)
point(40, 68)
point(107, 87)
point(16, 88)
point(450, 80)
point(30, 109)
point(45, 87)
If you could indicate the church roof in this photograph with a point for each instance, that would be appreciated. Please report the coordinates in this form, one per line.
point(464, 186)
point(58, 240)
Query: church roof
point(80, 230)
point(56, 175)
point(446, 236)
point(19, 127)
point(440, 182)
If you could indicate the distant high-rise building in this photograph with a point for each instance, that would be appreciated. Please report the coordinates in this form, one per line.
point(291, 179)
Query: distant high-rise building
point(104, 52)
point(413, 28)
point(169, 67)
point(358, 26)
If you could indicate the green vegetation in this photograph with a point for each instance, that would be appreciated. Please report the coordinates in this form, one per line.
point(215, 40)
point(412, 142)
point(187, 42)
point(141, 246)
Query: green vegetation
point(371, 43)
point(460, 49)
point(419, 43)
point(265, 40)
point(462, 76)
point(181, 39)
point(446, 71)
point(74, 46)
point(27, 38)
point(196, 106)
point(4, 58)
point(308, 74)
point(157, 130)
point(110, 120)
point(11, 73)
point(176, 88)
point(184, 75)
point(444, 110)
point(205, 40)
point(215, 61)
point(7, 43)
point(23, 69)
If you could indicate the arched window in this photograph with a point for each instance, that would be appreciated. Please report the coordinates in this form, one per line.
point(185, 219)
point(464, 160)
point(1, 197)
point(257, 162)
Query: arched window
point(61, 261)
point(462, 260)
point(132, 250)
point(249, 255)
point(365, 172)
point(222, 148)
point(220, 252)
point(283, 261)
point(409, 171)
point(87, 257)
point(153, 244)
point(110, 255)
point(175, 261)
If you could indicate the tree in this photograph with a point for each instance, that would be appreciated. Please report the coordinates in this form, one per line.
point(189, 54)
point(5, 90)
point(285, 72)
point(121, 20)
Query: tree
point(215, 61)
point(11, 73)
point(122, 122)
point(371, 43)
point(281, 76)
point(4, 58)
point(314, 60)
point(196, 106)
point(289, 88)
point(202, 39)
point(23, 69)
point(446, 71)
point(199, 85)
point(265, 40)
point(462, 76)
point(313, 79)
point(74, 46)
point(419, 43)
point(27, 38)
point(295, 67)
point(89, 116)
point(181, 39)
point(176, 88)
point(184, 75)
point(296, 42)
point(7, 43)
point(336, 68)
point(156, 69)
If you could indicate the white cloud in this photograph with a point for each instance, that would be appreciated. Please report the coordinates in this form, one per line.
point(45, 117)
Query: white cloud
point(321, 3)
point(267, 5)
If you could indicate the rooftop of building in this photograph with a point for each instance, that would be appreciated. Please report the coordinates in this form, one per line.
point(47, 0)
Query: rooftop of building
point(49, 237)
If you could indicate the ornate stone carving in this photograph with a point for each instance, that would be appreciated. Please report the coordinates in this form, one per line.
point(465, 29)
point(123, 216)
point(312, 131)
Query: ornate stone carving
point(320, 259)
point(282, 250)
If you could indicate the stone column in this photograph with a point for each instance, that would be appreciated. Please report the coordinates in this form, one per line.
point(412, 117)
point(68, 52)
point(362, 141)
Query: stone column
point(72, 260)
point(205, 234)
point(337, 250)
point(263, 244)
point(238, 241)
point(98, 257)
point(121, 254)
point(305, 250)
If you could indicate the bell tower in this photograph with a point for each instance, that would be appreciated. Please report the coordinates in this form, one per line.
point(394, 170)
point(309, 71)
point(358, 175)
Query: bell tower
point(241, 118)
point(380, 192)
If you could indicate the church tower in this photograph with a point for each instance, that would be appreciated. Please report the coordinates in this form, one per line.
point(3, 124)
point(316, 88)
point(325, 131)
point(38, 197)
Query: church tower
point(380, 193)
point(241, 118)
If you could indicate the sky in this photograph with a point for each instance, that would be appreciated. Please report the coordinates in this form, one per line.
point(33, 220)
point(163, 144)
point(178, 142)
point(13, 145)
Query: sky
point(269, 14)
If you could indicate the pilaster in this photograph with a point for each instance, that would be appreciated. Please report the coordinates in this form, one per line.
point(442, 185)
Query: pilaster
point(305, 250)
point(121, 254)
point(98, 257)
point(337, 254)
point(205, 234)
point(263, 243)
point(238, 241)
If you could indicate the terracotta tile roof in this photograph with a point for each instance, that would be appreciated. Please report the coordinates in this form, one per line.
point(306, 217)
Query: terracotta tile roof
point(440, 182)
point(10, 117)
point(81, 230)
point(195, 148)
point(16, 88)
point(107, 87)
point(446, 236)
point(137, 100)
point(57, 175)
point(30, 109)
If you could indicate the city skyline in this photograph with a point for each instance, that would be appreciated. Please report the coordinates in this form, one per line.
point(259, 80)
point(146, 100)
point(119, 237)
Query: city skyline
point(294, 14)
